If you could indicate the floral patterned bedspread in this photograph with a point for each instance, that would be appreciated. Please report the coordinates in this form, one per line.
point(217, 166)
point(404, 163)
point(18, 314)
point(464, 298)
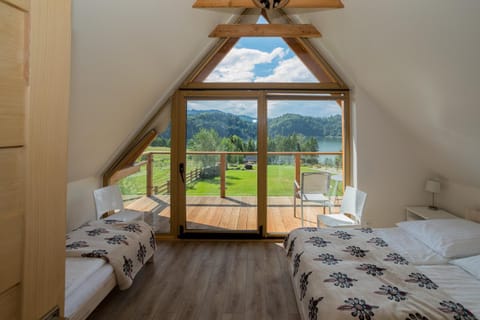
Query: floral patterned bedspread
point(352, 274)
point(127, 246)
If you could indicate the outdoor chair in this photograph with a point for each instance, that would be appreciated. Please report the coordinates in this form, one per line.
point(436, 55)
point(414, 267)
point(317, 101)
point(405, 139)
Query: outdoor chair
point(109, 199)
point(350, 212)
point(313, 187)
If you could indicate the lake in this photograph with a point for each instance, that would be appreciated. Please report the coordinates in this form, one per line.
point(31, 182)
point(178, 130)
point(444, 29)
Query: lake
point(329, 144)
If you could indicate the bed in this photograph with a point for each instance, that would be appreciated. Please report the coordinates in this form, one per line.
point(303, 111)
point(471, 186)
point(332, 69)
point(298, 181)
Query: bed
point(101, 255)
point(369, 273)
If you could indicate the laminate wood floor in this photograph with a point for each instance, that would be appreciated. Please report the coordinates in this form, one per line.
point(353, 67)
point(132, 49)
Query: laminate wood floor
point(223, 280)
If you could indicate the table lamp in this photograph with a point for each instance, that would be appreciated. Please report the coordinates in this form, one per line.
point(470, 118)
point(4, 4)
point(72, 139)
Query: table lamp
point(432, 186)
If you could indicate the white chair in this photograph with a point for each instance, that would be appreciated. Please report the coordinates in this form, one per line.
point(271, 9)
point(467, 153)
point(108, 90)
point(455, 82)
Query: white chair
point(109, 199)
point(313, 187)
point(352, 205)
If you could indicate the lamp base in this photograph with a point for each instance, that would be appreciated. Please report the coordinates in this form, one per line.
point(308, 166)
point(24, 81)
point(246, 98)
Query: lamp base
point(432, 207)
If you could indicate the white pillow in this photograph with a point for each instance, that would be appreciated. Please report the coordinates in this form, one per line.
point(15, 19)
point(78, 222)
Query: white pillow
point(452, 238)
point(470, 264)
point(410, 248)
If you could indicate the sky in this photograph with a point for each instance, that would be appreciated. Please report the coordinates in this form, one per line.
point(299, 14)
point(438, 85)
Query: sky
point(317, 109)
point(264, 60)
point(261, 59)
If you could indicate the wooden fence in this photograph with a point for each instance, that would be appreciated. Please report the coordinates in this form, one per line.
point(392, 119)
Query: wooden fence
point(196, 174)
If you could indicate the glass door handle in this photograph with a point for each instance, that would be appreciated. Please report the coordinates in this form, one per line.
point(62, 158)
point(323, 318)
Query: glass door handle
point(181, 169)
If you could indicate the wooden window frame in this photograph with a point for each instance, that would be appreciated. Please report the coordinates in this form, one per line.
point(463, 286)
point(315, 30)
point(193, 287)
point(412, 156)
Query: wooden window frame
point(330, 84)
point(178, 151)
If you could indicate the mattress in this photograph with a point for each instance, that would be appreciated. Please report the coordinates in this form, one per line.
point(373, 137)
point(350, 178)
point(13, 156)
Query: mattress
point(88, 295)
point(457, 283)
point(78, 270)
point(415, 251)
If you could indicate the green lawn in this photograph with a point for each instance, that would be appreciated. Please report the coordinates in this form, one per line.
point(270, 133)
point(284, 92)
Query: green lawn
point(136, 184)
point(239, 182)
point(244, 182)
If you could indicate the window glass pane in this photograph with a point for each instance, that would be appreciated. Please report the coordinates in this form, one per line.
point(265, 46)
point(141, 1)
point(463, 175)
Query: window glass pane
point(261, 59)
point(153, 200)
point(221, 173)
point(304, 137)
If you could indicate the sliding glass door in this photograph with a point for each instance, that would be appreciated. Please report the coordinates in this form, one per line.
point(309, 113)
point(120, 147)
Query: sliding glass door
point(304, 139)
point(218, 165)
point(237, 156)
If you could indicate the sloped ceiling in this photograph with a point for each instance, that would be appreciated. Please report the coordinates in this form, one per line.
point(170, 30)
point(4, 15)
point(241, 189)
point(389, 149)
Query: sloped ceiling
point(420, 60)
point(417, 59)
point(127, 56)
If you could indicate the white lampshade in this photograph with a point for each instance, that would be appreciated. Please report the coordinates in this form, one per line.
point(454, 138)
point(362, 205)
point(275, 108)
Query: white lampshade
point(432, 186)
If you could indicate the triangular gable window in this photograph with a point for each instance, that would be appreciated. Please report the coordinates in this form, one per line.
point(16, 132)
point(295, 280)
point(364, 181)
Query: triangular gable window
point(264, 60)
point(260, 59)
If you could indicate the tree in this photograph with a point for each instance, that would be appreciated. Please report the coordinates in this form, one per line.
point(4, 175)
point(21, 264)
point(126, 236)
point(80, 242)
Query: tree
point(251, 146)
point(205, 140)
point(338, 162)
point(160, 142)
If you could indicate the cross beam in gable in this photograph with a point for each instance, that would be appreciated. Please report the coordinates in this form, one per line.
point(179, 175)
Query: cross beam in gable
point(311, 58)
point(318, 4)
point(265, 30)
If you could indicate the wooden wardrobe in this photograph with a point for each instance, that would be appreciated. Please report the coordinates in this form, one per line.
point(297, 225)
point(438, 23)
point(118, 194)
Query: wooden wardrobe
point(34, 99)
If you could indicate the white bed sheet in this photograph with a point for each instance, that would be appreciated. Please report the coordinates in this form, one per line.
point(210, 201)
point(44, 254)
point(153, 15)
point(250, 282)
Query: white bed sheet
point(77, 270)
point(409, 247)
point(82, 301)
point(457, 283)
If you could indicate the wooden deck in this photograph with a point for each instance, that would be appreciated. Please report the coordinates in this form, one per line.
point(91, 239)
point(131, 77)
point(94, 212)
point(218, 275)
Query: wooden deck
point(231, 213)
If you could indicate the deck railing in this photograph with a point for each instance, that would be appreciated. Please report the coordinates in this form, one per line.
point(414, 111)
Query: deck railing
point(195, 174)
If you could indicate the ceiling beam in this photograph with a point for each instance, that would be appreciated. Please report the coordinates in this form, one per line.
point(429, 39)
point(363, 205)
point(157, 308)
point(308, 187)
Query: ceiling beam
point(265, 30)
point(249, 4)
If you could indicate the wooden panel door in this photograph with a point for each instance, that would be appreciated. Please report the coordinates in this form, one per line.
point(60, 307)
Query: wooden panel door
point(34, 97)
point(13, 89)
point(13, 82)
point(11, 217)
point(46, 158)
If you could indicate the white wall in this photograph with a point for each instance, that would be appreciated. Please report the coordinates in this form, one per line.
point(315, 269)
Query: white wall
point(418, 62)
point(80, 205)
point(388, 167)
point(459, 198)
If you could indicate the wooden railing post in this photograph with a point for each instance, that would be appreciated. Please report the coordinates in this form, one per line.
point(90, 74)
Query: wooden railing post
point(298, 163)
point(149, 175)
point(222, 175)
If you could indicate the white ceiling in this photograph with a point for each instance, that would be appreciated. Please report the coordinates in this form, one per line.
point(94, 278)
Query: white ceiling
point(127, 56)
point(416, 59)
point(420, 60)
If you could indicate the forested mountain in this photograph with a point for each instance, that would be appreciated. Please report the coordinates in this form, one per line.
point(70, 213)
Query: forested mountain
point(225, 124)
point(228, 125)
point(289, 124)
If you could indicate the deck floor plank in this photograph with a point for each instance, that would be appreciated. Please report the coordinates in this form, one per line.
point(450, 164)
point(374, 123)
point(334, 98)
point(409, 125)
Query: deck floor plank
point(231, 213)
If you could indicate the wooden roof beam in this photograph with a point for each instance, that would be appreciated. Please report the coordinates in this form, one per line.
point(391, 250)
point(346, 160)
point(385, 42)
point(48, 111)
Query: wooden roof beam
point(319, 4)
point(265, 30)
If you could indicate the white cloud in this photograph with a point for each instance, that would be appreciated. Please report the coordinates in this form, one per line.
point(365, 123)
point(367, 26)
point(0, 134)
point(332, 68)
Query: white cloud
point(290, 70)
point(239, 64)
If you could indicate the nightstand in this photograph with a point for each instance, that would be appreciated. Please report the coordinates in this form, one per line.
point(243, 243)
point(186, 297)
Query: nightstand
point(425, 213)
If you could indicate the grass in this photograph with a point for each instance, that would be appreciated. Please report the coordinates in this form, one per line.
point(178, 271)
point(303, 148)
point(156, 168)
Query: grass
point(136, 183)
point(239, 182)
point(244, 182)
